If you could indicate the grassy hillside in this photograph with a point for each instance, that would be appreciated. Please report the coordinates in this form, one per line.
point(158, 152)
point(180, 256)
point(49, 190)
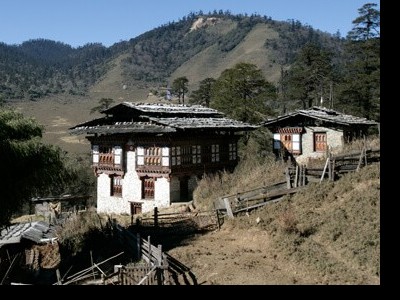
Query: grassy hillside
point(327, 234)
point(211, 61)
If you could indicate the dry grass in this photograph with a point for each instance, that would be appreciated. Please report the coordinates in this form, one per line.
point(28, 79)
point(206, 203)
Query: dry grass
point(75, 231)
point(249, 174)
point(331, 228)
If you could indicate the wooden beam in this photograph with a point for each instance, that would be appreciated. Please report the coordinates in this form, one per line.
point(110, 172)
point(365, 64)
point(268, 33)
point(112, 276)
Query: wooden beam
point(228, 208)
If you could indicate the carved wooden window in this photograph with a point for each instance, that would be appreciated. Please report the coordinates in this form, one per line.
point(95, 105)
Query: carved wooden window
point(185, 155)
point(320, 141)
point(290, 141)
point(148, 187)
point(152, 156)
point(176, 156)
point(107, 155)
point(214, 153)
point(232, 151)
point(286, 140)
point(296, 143)
point(116, 186)
point(136, 208)
point(196, 154)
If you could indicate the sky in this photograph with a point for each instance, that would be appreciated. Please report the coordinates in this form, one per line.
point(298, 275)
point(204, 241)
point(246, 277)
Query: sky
point(78, 22)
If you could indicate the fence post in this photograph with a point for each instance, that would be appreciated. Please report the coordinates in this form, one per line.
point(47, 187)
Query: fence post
point(228, 208)
point(138, 246)
point(149, 247)
point(216, 212)
point(323, 172)
point(288, 183)
point(155, 217)
point(330, 167)
point(159, 269)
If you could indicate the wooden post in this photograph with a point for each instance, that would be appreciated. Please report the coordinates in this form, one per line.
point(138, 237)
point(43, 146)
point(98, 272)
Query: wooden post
point(365, 151)
point(159, 255)
point(296, 176)
point(330, 168)
point(155, 217)
point(58, 276)
point(91, 260)
point(360, 160)
point(149, 252)
point(304, 175)
point(228, 208)
point(159, 270)
point(323, 172)
point(288, 183)
point(138, 245)
point(217, 214)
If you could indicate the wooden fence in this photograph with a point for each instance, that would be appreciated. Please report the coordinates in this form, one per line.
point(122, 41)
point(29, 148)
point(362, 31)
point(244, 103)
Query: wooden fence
point(230, 205)
point(183, 222)
point(156, 266)
point(335, 166)
point(296, 179)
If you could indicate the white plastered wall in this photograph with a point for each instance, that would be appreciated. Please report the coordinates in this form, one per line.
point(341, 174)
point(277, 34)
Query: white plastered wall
point(334, 140)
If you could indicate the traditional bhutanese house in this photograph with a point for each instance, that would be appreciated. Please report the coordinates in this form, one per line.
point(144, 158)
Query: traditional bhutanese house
point(151, 155)
point(309, 132)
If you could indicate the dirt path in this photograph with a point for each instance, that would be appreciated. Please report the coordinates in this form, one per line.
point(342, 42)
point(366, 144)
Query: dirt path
point(240, 257)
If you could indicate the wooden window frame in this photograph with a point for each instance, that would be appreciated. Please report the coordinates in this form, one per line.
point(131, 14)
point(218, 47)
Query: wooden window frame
point(149, 156)
point(186, 155)
point(148, 187)
point(116, 186)
point(320, 138)
point(215, 153)
point(232, 151)
point(287, 141)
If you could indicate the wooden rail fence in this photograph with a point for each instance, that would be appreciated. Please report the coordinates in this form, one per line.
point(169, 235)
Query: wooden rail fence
point(156, 266)
point(183, 221)
point(296, 179)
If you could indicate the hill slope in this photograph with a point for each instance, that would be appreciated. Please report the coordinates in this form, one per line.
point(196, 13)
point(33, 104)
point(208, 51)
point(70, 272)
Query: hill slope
point(197, 46)
point(327, 234)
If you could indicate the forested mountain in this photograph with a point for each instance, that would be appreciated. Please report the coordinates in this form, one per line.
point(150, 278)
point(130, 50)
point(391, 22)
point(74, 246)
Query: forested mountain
point(199, 46)
point(39, 67)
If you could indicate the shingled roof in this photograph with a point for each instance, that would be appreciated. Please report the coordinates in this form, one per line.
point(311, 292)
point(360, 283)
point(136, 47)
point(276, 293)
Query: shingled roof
point(130, 117)
point(323, 114)
point(162, 108)
point(34, 231)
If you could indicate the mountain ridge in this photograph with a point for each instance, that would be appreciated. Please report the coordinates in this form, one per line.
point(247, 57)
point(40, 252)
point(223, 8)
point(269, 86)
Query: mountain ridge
point(39, 68)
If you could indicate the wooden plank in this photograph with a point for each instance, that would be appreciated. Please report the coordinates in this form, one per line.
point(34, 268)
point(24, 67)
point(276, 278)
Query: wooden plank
point(287, 174)
point(258, 205)
point(228, 208)
point(275, 194)
point(323, 172)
